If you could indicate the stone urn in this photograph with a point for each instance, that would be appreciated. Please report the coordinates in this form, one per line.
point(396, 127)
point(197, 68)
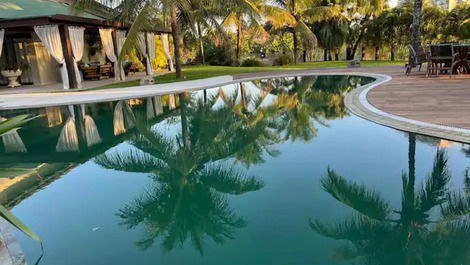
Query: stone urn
point(12, 77)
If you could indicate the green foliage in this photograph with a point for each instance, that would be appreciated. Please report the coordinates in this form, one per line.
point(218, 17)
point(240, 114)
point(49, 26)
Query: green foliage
point(252, 62)
point(283, 60)
point(216, 55)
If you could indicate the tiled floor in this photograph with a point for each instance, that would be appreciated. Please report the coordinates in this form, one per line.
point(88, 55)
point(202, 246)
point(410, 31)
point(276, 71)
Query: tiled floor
point(4, 90)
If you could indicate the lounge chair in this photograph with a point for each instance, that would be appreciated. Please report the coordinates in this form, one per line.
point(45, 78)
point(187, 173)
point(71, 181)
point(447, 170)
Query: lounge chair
point(415, 60)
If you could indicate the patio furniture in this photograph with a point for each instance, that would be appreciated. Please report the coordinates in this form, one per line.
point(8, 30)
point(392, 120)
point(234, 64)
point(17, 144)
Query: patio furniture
point(452, 58)
point(97, 71)
point(106, 71)
point(415, 60)
point(90, 72)
point(130, 67)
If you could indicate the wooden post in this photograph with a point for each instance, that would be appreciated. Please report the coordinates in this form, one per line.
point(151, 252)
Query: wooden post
point(68, 55)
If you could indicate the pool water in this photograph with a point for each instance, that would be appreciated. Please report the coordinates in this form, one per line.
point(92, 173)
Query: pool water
point(272, 171)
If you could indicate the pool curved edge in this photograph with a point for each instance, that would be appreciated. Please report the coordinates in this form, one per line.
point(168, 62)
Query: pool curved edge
point(356, 102)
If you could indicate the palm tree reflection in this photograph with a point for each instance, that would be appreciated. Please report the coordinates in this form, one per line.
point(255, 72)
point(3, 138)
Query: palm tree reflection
point(187, 200)
point(415, 234)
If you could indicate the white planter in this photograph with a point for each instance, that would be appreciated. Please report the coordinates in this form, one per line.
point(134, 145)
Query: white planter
point(12, 77)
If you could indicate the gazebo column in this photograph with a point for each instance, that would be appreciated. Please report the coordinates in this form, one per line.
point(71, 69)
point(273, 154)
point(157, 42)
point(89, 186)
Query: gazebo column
point(68, 55)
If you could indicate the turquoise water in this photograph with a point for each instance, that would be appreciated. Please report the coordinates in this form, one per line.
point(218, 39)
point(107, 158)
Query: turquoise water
point(265, 172)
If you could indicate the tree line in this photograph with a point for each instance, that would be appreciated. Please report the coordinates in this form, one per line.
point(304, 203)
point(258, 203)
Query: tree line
point(229, 31)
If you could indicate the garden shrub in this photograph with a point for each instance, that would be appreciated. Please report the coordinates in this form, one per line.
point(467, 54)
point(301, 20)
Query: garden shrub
point(216, 55)
point(252, 62)
point(283, 60)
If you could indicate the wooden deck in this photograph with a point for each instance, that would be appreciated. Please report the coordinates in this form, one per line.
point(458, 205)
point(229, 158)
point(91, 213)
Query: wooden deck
point(440, 100)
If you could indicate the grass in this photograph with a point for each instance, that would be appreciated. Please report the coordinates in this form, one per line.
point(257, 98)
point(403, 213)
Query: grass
point(205, 71)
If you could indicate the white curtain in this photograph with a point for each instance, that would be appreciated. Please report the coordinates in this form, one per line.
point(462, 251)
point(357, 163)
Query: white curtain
point(166, 50)
point(91, 132)
point(68, 138)
point(158, 105)
point(12, 141)
point(2, 35)
point(142, 47)
point(50, 37)
point(151, 50)
point(150, 109)
point(76, 39)
point(171, 102)
point(108, 45)
point(120, 39)
point(118, 119)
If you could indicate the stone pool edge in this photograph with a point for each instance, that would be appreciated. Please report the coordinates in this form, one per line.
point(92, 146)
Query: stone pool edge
point(356, 102)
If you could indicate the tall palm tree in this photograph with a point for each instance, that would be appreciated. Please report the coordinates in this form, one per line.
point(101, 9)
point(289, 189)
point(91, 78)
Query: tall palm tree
point(298, 9)
point(416, 26)
point(412, 234)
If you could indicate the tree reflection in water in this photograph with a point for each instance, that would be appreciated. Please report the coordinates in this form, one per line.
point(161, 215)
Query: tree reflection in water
point(188, 198)
point(192, 171)
point(430, 228)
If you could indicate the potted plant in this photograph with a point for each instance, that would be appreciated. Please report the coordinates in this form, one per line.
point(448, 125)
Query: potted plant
point(12, 71)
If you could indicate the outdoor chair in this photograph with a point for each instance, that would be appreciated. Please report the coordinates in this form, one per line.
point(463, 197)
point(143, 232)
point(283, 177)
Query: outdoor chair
point(106, 71)
point(90, 72)
point(415, 60)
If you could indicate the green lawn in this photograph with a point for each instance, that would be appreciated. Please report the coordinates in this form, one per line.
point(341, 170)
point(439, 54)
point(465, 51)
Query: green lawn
point(199, 72)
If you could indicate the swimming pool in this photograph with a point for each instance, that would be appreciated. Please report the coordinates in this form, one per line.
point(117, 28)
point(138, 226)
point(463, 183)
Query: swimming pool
point(272, 171)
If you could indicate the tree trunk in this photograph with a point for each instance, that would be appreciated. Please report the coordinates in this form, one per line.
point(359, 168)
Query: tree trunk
point(325, 55)
point(336, 54)
point(377, 49)
point(305, 56)
point(176, 41)
point(392, 52)
point(348, 53)
point(356, 45)
point(201, 44)
point(239, 38)
point(329, 55)
point(184, 120)
point(294, 35)
point(416, 26)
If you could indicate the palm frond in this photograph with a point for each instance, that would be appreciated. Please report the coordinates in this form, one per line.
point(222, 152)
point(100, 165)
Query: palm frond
point(366, 202)
point(434, 191)
point(130, 161)
point(354, 229)
point(228, 180)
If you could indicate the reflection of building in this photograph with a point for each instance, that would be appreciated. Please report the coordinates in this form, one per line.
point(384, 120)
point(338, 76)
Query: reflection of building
point(77, 133)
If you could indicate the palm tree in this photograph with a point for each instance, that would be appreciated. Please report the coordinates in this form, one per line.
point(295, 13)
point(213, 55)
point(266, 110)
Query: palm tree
point(331, 36)
point(188, 198)
point(409, 235)
point(299, 9)
point(416, 27)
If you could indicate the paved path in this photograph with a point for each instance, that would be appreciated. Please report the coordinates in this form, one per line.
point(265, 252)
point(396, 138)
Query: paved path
point(433, 106)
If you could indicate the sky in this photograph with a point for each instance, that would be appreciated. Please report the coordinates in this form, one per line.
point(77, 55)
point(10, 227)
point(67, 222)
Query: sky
point(392, 3)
